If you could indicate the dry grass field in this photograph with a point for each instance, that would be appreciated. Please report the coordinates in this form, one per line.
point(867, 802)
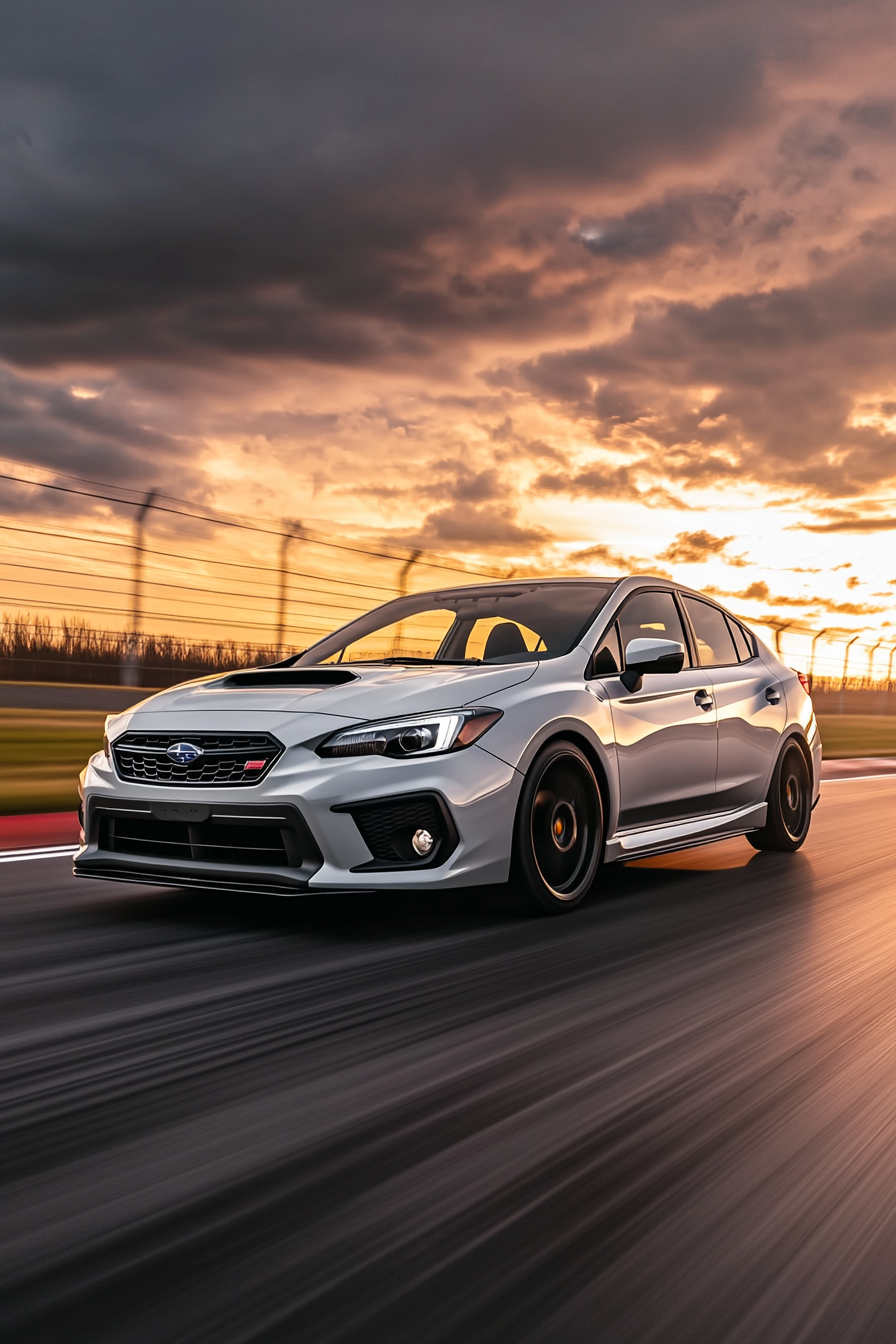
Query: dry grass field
point(41, 754)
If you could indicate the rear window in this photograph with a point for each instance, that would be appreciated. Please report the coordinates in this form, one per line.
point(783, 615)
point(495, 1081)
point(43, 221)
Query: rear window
point(742, 641)
point(715, 646)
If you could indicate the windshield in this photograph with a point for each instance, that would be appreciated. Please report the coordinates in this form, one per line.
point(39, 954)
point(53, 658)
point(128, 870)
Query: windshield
point(490, 625)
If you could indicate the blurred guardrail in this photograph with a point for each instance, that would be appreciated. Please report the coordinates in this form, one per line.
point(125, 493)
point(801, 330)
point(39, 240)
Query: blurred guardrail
point(98, 594)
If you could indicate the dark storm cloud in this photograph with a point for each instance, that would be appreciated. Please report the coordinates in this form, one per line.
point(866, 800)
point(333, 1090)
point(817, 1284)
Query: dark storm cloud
point(103, 438)
point(46, 424)
point(186, 182)
point(604, 482)
point(874, 115)
point(693, 219)
point(601, 482)
point(808, 155)
point(786, 368)
point(461, 527)
point(475, 509)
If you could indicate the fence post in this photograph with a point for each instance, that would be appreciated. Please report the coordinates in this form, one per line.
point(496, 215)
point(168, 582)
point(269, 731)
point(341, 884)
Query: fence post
point(815, 638)
point(404, 576)
point(845, 666)
point(294, 529)
point(871, 664)
point(130, 667)
point(890, 668)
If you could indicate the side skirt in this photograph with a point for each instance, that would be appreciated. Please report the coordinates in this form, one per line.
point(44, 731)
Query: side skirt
point(684, 834)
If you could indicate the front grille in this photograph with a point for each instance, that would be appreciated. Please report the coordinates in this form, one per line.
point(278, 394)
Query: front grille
point(388, 826)
point(142, 758)
point(209, 842)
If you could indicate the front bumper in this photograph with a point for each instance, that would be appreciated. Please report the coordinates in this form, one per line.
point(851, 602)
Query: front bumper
point(258, 848)
point(305, 808)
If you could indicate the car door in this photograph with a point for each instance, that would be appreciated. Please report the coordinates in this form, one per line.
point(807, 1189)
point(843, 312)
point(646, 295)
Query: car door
point(666, 731)
point(750, 705)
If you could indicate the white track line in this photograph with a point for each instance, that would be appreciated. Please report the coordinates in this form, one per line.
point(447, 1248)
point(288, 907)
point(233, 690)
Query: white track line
point(44, 852)
point(849, 779)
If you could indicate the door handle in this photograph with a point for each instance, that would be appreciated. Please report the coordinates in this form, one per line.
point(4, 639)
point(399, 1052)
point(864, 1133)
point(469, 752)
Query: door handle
point(703, 699)
point(772, 695)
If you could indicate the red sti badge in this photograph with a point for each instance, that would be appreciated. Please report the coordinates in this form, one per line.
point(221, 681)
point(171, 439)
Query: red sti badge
point(255, 765)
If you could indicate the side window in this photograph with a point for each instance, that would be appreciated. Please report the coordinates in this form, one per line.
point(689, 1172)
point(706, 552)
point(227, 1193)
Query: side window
point(715, 647)
point(743, 645)
point(651, 613)
point(607, 658)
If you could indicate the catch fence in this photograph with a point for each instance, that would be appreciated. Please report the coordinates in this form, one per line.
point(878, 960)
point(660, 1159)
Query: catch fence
point(148, 590)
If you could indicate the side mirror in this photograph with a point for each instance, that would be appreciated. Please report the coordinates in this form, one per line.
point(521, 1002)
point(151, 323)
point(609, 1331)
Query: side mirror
point(650, 655)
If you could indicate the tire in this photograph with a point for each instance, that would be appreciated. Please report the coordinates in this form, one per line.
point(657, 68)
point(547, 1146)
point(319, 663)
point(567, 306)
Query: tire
point(558, 834)
point(789, 802)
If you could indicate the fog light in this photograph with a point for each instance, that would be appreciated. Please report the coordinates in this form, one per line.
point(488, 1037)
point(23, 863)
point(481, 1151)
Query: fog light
point(422, 842)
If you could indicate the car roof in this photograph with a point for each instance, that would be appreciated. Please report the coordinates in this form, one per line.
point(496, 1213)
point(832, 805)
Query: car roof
point(613, 581)
point(627, 583)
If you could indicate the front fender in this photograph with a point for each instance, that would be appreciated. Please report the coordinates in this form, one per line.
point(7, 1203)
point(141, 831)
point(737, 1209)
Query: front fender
point(599, 747)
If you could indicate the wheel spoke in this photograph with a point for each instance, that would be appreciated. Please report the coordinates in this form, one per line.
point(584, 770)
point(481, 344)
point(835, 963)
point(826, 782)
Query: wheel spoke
point(794, 793)
point(563, 824)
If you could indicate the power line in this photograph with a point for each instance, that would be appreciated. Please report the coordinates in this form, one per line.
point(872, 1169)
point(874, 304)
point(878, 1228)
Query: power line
point(176, 555)
point(197, 620)
point(158, 583)
point(211, 606)
point(224, 521)
point(310, 534)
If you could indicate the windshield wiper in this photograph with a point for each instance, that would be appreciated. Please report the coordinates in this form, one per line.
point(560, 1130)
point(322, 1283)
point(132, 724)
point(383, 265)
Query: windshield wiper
point(428, 662)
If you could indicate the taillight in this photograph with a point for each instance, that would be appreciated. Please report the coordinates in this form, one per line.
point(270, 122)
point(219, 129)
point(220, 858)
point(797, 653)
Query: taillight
point(804, 682)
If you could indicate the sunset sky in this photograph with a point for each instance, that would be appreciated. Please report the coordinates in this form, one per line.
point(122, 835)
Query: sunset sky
point(566, 286)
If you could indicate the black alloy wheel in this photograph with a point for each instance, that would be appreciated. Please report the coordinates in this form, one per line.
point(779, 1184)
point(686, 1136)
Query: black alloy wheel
point(789, 802)
point(559, 831)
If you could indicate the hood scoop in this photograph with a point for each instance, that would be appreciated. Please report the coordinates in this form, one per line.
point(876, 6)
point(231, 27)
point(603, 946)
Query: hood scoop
point(298, 678)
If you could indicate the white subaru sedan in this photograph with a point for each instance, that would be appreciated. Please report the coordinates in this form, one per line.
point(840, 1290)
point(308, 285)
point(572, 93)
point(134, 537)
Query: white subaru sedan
point(517, 733)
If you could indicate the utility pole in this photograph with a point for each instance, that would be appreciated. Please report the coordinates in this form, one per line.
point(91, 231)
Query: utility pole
point(293, 530)
point(130, 668)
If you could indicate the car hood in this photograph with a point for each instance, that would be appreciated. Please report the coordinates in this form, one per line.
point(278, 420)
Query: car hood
point(373, 692)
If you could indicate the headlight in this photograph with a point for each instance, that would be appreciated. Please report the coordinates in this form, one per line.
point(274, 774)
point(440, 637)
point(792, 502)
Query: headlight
point(422, 735)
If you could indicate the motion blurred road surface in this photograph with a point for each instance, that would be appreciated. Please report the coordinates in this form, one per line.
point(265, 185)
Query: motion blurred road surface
point(670, 1117)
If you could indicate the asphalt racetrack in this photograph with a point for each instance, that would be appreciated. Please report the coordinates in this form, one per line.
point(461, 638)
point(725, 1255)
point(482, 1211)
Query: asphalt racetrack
point(669, 1117)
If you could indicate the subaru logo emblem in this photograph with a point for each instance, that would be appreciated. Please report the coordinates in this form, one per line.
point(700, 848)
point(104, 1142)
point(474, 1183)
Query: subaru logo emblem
point(184, 753)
